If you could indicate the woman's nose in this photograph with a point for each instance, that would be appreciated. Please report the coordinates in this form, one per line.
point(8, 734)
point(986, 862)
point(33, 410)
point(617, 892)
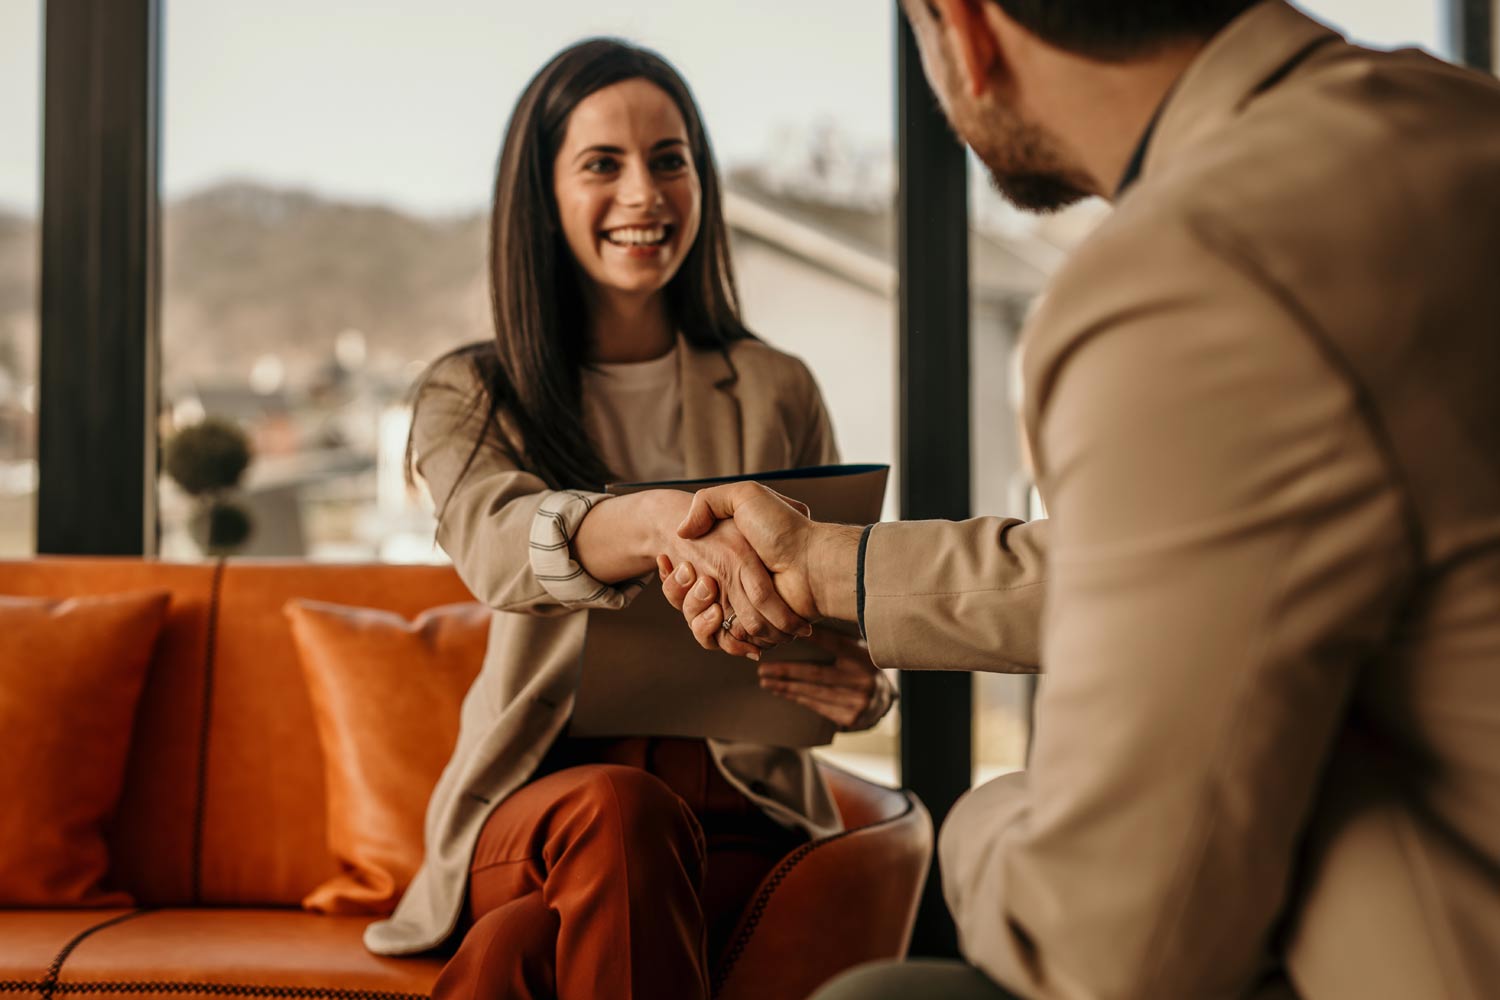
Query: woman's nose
point(638, 188)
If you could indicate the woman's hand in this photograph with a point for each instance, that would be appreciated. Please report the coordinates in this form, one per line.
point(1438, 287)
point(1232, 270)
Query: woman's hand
point(851, 691)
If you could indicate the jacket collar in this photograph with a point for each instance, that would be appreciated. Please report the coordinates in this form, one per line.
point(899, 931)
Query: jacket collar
point(1251, 54)
point(712, 442)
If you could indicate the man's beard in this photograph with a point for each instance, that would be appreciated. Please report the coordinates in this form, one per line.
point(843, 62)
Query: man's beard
point(1037, 191)
point(1025, 169)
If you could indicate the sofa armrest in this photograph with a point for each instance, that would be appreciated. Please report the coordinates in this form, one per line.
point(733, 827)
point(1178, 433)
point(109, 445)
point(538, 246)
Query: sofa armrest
point(832, 903)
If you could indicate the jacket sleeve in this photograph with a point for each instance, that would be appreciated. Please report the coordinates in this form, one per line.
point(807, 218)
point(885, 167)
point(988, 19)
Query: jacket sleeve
point(944, 595)
point(509, 536)
point(1227, 548)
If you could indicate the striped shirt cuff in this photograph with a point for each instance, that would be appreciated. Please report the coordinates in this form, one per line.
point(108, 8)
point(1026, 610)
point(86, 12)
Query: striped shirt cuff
point(552, 562)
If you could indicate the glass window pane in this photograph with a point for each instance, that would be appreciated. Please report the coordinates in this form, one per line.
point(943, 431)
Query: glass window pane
point(326, 178)
point(1387, 25)
point(20, 104)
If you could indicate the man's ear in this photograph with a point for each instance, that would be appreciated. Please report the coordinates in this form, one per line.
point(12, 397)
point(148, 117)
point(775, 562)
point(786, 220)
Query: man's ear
point(969, 32)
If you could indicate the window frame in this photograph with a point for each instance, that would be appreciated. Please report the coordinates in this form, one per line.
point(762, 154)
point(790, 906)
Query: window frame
point(1471, 33)
point(934, 481)
point(98, 365)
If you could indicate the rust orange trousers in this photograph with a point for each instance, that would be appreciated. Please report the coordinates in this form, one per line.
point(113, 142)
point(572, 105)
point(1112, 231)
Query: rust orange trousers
point(618, 872)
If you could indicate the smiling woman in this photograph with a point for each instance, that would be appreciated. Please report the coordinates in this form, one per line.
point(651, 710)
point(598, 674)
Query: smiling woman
point(582, 156)
point(618, 353)
point(327, 216)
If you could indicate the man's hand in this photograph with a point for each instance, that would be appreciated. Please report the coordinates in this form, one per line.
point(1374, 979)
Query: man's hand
point(813, 564)
point(733, 575)
point(773, 522)
point(777, 528)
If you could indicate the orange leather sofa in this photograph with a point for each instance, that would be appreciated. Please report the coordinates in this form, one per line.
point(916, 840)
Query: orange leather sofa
point(221, 828)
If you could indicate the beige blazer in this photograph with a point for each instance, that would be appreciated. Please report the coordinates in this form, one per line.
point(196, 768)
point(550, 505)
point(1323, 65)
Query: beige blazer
point(1264, 406)
point(754, 409)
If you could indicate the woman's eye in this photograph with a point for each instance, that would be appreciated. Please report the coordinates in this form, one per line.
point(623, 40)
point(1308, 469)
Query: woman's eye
point(602, 165)
point(671, 162)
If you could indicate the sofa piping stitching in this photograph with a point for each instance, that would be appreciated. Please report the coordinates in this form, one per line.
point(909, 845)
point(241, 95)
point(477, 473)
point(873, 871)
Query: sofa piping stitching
point(235, 990)
point(210, 648)
point(48, 985)
point(768, 889)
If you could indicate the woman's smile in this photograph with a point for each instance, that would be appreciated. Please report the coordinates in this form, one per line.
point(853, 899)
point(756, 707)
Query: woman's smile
point(641, 242)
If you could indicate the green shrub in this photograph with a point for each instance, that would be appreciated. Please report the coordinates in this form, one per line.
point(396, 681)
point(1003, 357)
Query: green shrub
point(208, 457)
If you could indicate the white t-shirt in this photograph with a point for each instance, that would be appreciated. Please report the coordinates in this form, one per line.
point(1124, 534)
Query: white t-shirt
point(633, 413)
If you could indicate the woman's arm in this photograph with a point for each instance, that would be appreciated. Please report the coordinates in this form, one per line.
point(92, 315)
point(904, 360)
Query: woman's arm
point(498, 523)
point(621, 537)
point(520, 546)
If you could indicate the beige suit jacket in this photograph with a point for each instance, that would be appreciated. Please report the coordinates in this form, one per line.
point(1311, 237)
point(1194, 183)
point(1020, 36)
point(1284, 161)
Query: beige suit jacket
point(754, 409)
point(1263, 406)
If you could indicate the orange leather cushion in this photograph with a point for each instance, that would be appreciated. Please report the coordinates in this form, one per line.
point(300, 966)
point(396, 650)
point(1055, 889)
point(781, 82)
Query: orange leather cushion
point(199, 953)
point(386, 695)
point(71, 673)
point(152, 836)
point(264, 805)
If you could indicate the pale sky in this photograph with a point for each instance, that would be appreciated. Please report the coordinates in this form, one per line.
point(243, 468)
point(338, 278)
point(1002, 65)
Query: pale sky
point(403, 101)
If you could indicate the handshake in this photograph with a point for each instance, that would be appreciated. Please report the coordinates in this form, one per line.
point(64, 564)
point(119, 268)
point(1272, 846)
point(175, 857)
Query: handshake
point(749, 583)
point(750, 571)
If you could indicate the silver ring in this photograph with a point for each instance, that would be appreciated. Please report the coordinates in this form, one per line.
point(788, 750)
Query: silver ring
point(729, 622)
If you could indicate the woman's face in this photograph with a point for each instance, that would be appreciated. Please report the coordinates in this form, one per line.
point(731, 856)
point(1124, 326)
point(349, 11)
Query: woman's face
point(628, 195)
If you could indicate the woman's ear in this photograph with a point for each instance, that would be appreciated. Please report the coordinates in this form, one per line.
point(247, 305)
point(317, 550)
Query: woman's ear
point(971, 36)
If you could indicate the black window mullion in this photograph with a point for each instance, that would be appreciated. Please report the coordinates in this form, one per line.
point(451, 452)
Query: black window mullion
point(96, 436)
point(1471, 29)
point(933, 239)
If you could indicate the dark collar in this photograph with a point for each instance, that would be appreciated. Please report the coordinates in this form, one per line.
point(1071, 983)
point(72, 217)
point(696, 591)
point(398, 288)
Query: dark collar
point(1254, 52)
point(1138, 160)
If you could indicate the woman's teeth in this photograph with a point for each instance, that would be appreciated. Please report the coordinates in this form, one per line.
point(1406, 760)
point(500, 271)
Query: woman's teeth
point(637, 237)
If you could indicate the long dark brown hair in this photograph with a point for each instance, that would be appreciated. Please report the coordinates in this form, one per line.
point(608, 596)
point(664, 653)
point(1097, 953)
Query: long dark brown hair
point(530, 372)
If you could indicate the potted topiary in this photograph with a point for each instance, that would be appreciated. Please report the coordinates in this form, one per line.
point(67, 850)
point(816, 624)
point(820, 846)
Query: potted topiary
point(207, 460)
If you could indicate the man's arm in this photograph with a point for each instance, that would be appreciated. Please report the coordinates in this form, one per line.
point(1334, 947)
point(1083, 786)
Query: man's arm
point(927, 594)
point(1227, 549)
point(950, 595)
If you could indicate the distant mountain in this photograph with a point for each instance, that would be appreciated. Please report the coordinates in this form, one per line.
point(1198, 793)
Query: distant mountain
point(250, 270)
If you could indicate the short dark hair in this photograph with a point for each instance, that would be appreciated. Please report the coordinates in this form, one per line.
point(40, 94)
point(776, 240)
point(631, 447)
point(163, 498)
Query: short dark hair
point(1117, 29)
